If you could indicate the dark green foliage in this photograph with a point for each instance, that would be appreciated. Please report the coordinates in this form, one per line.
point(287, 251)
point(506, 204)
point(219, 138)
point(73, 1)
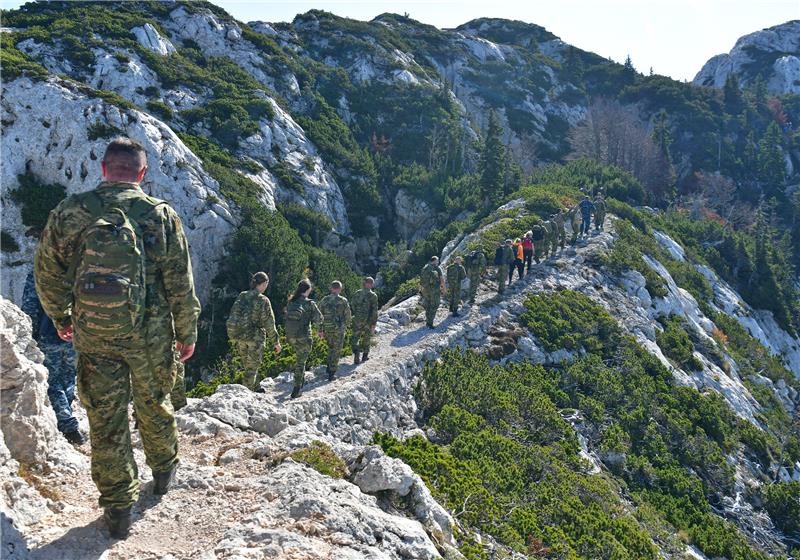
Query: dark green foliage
point(570, 320)
point(311, 225)
point(320, 457)
point(36, 200)
point(231, 119)
point(676, 344)
point(782, 501)
point(627, 253)
point(287, 176)
point(593, 177)
point(99, 129)
point(7, 242)
point(493, 161)
point(771, 165)
point(160, 109)
point(16, 64)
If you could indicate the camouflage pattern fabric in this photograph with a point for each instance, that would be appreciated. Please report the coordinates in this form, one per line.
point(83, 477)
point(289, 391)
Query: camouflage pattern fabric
point(250, 324)
point(502, 270)
point(575, 224)
point(250, 353)
point(59, 359)
point(550, 234)
point(476, 268)
point(139, 365)
point(539, 241)
point(455, 274)
point(599, 213)
point(430, 286)
point(364, 305)
point(561, 235)
point(178, 395)
point(336, 316)
point(301, 313)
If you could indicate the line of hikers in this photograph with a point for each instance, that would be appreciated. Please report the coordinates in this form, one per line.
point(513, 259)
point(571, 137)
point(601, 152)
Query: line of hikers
point(544, 240)
point(251, 324)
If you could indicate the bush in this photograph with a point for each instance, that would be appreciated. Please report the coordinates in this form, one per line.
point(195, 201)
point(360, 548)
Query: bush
point(36, 200)
point(592, 177)
point(320, 457)
point(7, 242)
point(676, 345)
point(782, 501)
point(100, 129)
point(160, 109)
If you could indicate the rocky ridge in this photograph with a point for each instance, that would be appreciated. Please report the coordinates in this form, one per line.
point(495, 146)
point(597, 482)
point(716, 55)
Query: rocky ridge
point(247, 496)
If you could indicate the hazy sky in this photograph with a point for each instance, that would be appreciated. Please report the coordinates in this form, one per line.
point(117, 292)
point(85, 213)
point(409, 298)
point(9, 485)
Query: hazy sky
point(674, 37)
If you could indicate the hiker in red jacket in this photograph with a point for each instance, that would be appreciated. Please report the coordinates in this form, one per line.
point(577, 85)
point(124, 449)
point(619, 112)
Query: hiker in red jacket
point(527, 251)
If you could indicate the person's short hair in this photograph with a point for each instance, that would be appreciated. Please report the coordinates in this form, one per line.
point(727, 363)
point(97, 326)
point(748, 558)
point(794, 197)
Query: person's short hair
point(336, 284)
point(434, 258)
point(459, 259)
point(258, 278)
point(369, 279)
point(508, 241)
point(124, 156)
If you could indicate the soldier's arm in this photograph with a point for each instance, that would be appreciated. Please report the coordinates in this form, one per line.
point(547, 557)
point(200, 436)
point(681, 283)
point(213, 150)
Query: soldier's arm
point(269, 323)
point(316, 315)
point(50, 265)
point(348, 314)
point(373, 309)
point(176, 271)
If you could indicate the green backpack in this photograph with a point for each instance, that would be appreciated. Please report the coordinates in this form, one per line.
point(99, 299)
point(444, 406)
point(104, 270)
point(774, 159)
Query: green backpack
point(239, 323)
point(109, 291)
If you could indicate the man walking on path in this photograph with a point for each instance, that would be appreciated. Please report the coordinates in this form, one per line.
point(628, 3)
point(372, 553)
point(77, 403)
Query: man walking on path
point(503, 259)
point(476, 265)
point(586, 207)
point(431, 282)
point(364, 306)
point(455, 275)
point(301, 314)
point(113, 273)
point(600, 212)
point(527, 251)
point(336, 316)
point(539, 236)
point(558, 220)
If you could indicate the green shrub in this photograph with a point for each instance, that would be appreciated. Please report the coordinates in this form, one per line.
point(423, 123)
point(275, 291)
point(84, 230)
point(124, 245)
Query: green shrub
point(592, 177)
point(320, 457)
point(36, 200)
point(15, 63)
point(627, 253)
point(676, 344)
point(160, 109)
point(570, 320)
point(7, 243)
point(782, 501)
point(100, 129)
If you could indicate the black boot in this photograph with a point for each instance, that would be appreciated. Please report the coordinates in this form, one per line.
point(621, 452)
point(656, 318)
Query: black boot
point(295, 392)
point(162, 481)
point(118, 522)
point(365, 356)
point(75, 437)
point(356, 358)
point(331, 374)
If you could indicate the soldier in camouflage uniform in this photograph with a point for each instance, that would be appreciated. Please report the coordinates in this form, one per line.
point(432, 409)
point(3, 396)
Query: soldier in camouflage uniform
point(539, 236)
point(574, 220)
point(558, 220)
point(336, 316)
point(431, 285)
point(113, 273)
point(550, 233)
point(476, 265)
point(455, 275)
point(301, 313)
point(503, 259)
point(59, 359)
point(250, 325)
point(364, 306)
point(599, 212)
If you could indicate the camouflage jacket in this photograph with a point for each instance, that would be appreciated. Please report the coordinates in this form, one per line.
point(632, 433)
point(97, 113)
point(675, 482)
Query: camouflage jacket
point(335, 312)
point(252, 317)
point(171, 308)
point(558, 220)
point(301, 313)
point(365, 306)
point(455, 274)
point(477, 264)
point(550, 229)
point(430, 279)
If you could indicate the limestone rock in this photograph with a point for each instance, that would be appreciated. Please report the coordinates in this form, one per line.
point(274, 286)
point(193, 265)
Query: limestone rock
point(149, 37)
point(415, 218)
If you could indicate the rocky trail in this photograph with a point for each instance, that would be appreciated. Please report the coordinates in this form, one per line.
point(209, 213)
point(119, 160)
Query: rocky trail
point(239, 493)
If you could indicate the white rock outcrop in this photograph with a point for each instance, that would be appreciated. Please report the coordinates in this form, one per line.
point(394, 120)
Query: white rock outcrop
point(48, 133)
point(414, 217)
point(149, 37)
point(779, 44)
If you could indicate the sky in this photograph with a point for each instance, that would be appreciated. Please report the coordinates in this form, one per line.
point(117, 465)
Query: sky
point(673, 37)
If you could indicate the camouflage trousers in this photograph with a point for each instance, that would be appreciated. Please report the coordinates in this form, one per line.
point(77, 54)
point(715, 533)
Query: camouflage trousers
point(361, 336)
point(335, 340)
point(599, 219)
point(178, 395)
point(502, 277)
point(454, 297)
point(59, 359)
point(575, 231)
point(431, 303)
point(562, 238)
point(474, 282)
point(250, 353)
point(539, 249)
point(108, 376)
point(302, 349)
point(554, 244)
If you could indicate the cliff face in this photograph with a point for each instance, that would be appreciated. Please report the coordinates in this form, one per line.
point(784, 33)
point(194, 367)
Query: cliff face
point(772, 53)
point(264, 475)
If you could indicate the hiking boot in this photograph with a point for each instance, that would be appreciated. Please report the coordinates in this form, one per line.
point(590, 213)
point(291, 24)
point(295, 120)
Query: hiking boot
point(75, 437)
point(456, 314)
point(295, 392)
point(331, 374)
point(162, 481)
point(118, 522)
point(365, 356)
point(356, 358)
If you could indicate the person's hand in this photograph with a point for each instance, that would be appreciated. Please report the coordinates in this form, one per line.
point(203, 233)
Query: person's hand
point(372, 327)
point(185, 351)
point(66, 333)
point(278, 348)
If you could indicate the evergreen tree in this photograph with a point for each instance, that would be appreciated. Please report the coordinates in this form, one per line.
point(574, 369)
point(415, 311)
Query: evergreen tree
point(661, 133)
point(731, 94)
point(493, 161)
point(771, 167)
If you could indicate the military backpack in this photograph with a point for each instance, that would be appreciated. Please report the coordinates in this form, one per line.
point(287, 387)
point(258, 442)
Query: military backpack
point(109, 291)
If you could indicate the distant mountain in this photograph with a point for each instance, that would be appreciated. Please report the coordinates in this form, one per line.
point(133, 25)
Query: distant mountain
point(773, 54)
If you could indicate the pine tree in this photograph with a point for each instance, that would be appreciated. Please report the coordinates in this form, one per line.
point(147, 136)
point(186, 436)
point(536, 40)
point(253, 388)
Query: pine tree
point(731, 94)
point(493, 161)
point(771, 166)
point(661, 133)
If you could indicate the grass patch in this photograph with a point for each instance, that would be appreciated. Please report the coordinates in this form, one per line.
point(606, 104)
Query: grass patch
point(320, 457)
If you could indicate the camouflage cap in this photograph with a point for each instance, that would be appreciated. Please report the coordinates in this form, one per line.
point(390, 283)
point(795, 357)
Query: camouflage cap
point(336, 285)
point(369, 279)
